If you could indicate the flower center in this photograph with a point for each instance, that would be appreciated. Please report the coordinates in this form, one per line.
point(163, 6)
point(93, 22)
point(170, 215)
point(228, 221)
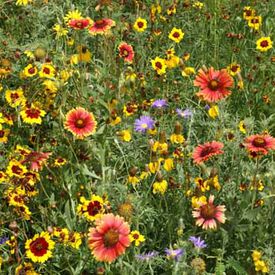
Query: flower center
point(158, 65)
point(33, 113)
point(2, 133)
point(259, 142)
point(206, 151)
point(100, 23)
point(140, 24)
point(80, 123)
point(208, 211)
point(264, 44)
point(176, 35)
point(46, 71)
point(144, 125)
point(14, 96)
point(16, 170)
point(94, 208)
point(234, 68)
point(39, 247)
point(111, 238)
point(136, 236)
point(125, 53)
point(213, 85)
point(31, 71)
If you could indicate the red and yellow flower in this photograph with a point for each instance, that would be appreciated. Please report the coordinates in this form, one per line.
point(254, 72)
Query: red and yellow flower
point(32, 114)
point(101, 26)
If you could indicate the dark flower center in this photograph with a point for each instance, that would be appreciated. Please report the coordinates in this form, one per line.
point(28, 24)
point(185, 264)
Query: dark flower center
point(16, 170)
point(94, 208)
point(111, 238)
point(259, 142)
point(234, 68)
point(213, 85)
point(254, 21)
point(135, 236)
point(2, 133)
point(158, 65)
point(140, 24)
point(208, 211)
point(80, 123)
point(206, 151)
point(31, 71)
point(14, 96)
point(264, 44)
point(100, 23)
point(33, 113)
point(46, 71)
point(176, 35)
point(39, 247)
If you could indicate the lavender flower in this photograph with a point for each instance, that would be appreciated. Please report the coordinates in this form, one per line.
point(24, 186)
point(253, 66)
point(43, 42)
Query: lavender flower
point(174, 253)
point(146, 256)
point(159, 103)
point(198, 242)
point(144, 123)
point(3, 240)
point(187, 113)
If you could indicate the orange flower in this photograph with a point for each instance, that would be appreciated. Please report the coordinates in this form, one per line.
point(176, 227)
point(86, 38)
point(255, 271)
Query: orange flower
point(101, 26)
point(110, 238)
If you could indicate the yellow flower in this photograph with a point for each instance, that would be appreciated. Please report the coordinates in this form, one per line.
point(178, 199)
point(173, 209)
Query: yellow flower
point(39, 248)
point(197, 201)
point(60, 31)
point(3, 177)
point(154, 166)
point(248, 13)
point(143, 175)
point(59, 162)
point(16, 169)
point(159, 65)
point(198, 5)
point(234, 69)
point(140, 25)
point(75, 14)
point(26, 269)
point(177, 139)
point(92, 209)
point(74, 240)
point(202, 185)
point(84, 55)
point(136, 237)
point(187, 71)
point(125, 135)
point(171, 10)
point(255, 22)
point(114, 121)
point(30, 71)
point(15, 97)
point(161, 147)
point(261, 266)
point(32, 114)
point(172, 62)
point(47, 71)
point(133, 180)
point(213, 112)
point(168, 164)
point(4, 133)
point(23, 2)
point(176, 35)
point(242, 127)
point(50, 86)
point(264, 44)
point(160, 187)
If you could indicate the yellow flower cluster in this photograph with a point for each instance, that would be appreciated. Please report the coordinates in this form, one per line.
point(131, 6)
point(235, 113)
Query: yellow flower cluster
point(260, 265)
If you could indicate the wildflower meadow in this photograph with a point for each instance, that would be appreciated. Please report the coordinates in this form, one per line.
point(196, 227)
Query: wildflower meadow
point(137, 137)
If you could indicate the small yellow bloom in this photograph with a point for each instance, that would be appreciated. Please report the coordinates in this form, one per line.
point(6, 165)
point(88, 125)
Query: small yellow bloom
point(136, 237)
point(125, 135)
point(242, 127)
point(168, 164)
point(255, 22)
point(197, 201)
point(60, 31)
point(160, 187)
point(159, 65)
point(187, 71)
point(213, 112)
point(172, 62)
point(234, 69)
point(177, 139)
point(75, 14)
point(23, 2)
point(133, 180)
point(47, 71)
point(140, 25)
point(176, 35)
point(30, 71)
point(264, 44)
point(15, 97)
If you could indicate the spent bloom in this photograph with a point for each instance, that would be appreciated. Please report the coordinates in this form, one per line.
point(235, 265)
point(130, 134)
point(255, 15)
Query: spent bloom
point(187, 113)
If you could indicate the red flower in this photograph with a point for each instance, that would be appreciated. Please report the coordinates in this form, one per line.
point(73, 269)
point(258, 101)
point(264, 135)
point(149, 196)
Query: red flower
point(260, 144)
point(101, 26)
point(126, 52)
point(80, 122)
point(213, 84)
point(79, 24)
point(36, 160)
point(110, 238)
point(205, 151)
point(207, 214)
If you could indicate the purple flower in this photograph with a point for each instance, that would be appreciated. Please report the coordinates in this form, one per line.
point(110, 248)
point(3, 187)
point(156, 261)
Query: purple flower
point(159, 103)
point(198, 242)
point(144, 123)
point(146, 256)
point(3, 240)
point(187, 113)
point(174, 253)
point(206, 107)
